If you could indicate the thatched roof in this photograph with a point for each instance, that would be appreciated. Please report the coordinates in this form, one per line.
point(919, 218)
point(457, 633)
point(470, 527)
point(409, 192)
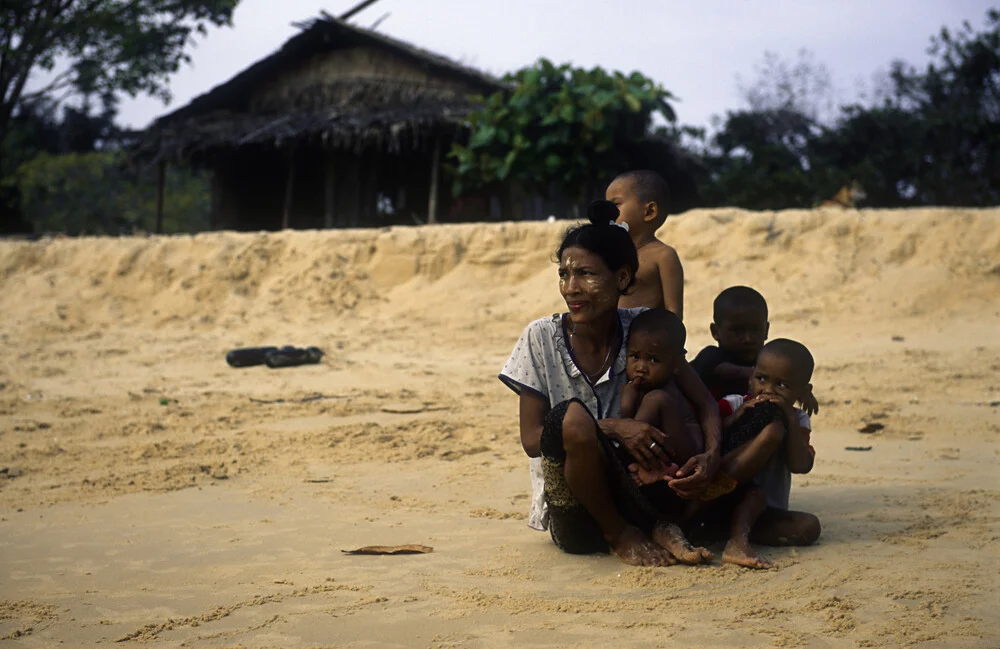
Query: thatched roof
point(389, 114)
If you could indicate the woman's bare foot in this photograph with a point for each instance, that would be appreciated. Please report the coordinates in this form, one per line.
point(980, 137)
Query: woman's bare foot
point(636, 549)
point(672, 538)
point(643, 477)
point(741, 553)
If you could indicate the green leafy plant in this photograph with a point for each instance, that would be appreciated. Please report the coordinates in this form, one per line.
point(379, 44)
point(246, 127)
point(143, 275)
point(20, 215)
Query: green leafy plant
point(559, 128)
point(99, 193)
point(97, 47)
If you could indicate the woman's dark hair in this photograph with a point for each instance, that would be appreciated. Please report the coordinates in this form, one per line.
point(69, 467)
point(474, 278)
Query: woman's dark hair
point(603, 237)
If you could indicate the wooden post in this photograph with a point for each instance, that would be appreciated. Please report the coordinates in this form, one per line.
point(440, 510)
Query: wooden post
point(371, 189)
point(286, 216)
point(161, 179)
point(329, 187)
point(354, 182)
point(215, 216)
point(432, 202)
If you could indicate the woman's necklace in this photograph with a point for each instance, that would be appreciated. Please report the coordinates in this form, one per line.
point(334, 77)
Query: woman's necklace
point(607, 357)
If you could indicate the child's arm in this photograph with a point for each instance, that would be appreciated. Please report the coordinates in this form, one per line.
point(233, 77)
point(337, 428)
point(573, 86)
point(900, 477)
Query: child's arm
point(733, 372)
point(649, 409)
point(809, 404)
point(630, 401)
point(799, 454)
point(700, 469)
point(650, 412)
point(705, 405)
point(671, 280)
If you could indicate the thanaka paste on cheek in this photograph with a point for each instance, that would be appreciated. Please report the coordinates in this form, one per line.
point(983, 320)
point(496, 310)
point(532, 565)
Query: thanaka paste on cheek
point(599, 288)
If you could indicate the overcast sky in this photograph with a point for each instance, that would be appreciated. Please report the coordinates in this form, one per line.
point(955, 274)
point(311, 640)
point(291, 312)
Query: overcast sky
point(694, 48)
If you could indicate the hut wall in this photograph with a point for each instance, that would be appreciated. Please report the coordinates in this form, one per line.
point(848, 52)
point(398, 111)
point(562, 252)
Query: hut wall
point(339, 76)
point(248, 191)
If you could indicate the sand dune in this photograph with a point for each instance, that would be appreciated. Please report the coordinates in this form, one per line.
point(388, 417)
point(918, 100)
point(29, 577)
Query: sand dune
point(151, 494)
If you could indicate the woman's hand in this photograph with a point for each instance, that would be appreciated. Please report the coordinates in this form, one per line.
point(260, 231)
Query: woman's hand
point(644, 442)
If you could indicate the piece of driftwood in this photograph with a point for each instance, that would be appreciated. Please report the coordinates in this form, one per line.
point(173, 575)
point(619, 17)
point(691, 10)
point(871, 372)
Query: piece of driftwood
point(391, 549)
point(311, 397)
point(857, 448)
point(410, 410)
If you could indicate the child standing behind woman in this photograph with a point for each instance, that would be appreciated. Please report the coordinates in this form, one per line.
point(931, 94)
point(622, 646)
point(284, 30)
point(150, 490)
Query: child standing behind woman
point(641, 198)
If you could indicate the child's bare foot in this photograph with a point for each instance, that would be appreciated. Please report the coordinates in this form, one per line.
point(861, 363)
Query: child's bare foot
point(643, 477)
point(672, 538)
point(636, 549)
point(741, 553)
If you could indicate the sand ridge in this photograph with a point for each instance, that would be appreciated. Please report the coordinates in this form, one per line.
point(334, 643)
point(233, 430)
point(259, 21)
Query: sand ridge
point(151, 494)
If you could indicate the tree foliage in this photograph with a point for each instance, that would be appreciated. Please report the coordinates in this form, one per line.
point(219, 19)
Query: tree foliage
point(100, 47)
point(804, 86)
point(933, 137)
point(91, 51)
point(559, 128)
point(100, 193)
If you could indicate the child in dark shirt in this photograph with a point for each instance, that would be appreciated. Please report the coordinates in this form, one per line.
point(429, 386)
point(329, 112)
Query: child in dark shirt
point(740, 328)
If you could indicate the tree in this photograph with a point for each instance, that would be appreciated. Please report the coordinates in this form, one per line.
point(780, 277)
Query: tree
point(762, 160)
point(102, 47)
point(957, 99)
point(934, 137)
point(763, 156)
point(560, 129)
point(931, 138)
point(803, 86)
point(98, 192)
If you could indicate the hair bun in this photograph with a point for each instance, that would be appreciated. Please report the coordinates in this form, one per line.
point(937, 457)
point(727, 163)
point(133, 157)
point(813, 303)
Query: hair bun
point(602, 213)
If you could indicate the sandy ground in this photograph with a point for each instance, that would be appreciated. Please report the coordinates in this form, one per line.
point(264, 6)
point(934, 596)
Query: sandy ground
point(152, 496)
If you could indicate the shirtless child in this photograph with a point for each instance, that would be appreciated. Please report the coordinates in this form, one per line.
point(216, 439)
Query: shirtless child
point(760, 452)
point(654, 353)
point(642, 198)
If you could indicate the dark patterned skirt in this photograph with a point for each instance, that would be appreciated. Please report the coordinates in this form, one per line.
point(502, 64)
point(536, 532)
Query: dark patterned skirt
point(750, 424)
point(571, 526)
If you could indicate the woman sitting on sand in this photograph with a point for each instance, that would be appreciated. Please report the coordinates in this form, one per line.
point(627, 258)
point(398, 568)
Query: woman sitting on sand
point(568, 371)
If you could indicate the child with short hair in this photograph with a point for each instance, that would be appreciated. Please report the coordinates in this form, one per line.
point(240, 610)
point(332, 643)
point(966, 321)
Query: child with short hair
point(765, 440)
point(642, 198)
point(740, 327)
point(654, 351)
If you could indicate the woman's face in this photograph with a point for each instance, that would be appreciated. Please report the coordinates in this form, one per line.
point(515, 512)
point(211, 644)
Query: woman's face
point(590, 288)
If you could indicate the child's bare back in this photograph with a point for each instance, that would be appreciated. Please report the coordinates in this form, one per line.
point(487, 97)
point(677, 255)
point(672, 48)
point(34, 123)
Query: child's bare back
point(641, 198)
point(660, 280)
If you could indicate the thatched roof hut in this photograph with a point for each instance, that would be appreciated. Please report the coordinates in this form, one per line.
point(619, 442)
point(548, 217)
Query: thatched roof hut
point(342, 126)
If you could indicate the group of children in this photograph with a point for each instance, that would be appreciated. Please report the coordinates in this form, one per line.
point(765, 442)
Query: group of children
point(758, 384)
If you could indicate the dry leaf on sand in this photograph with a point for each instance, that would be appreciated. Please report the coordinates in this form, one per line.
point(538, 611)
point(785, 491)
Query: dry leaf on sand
point(391, 549)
